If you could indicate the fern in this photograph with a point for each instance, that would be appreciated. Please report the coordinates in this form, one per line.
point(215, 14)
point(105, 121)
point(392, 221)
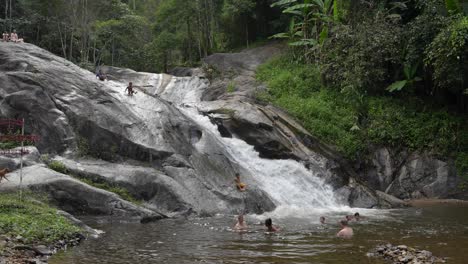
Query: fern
point(453, 6)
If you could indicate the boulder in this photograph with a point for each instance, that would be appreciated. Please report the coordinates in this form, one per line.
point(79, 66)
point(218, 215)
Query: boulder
point(73, 196)
point(12, 162)
point(410, 175)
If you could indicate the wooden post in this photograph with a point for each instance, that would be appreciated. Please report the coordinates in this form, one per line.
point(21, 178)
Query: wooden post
point(21, 161)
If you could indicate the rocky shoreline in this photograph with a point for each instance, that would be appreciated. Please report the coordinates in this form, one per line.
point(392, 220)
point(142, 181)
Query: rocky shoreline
point(404, 255)
point(432, 202)
point(14, 250)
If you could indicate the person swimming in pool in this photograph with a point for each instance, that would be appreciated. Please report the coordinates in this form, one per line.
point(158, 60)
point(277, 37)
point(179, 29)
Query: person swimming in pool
point(241, 224)
point(270, 227)
point(357, 216)
point(322, 220)
point(346, 231)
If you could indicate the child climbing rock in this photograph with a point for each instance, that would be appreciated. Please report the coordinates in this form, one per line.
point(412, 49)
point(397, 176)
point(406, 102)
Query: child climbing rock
point(130, 89)
point(240, 185)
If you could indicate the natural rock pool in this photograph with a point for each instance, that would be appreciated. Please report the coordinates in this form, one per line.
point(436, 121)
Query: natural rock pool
point(441, 229)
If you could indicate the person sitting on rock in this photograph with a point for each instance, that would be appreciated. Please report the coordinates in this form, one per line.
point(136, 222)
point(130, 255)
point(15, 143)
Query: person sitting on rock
point(241, 224)
point(5, 37)
point(130, 89)
point(270, 227)
point(240, 185)
point(14, 37)
point(346, 231)
point(101, 76)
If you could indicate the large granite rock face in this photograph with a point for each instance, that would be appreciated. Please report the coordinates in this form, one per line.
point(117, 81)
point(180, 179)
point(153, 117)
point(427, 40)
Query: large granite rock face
point(74, 196)
point(76, 114)
point(410, 175)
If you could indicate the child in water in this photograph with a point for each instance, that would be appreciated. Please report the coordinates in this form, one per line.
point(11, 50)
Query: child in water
point(269, 226)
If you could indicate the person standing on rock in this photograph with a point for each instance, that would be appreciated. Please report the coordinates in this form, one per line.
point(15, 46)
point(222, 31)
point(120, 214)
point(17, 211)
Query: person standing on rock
point(130, 89)
point(346, 231)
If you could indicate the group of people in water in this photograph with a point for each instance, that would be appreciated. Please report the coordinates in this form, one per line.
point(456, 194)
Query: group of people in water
point(345, 232)
point(11, 37)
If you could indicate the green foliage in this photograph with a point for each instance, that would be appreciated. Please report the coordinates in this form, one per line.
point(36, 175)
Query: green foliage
point(160, 50)
point(453, 6)
point(285, 76)
point(297, 89)
point(420, 32)
point(447, 56)
point(333, 118)
point(462, 165)
point(363, 57)
point(34, 221)
point(121, 40)
point(411, 78)
point(83, 147)
point(309, 24)
point(404, 123)
point(122, 192)
point(58, 167)
point(9, 144)
point(231, 87)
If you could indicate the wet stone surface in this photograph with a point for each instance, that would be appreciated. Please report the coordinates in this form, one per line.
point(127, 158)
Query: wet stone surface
point(14, 250)
point(402, 254)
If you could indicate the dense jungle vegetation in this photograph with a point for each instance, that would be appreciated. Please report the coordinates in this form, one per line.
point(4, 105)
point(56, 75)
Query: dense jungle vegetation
point(357, 73)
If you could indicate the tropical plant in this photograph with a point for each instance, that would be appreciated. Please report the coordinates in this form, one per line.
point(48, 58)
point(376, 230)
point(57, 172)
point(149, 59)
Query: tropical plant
point(447, 56)
point(453, 6)
point(409, 71)
point(310, 21)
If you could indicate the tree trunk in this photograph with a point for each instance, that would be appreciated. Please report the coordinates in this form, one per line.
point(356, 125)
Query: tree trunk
point(247, 33)
point(165, 62)
point(113, 49)
point(94, 52)
point(63, 40)
point(11, 9)
point(189, 36)
point(71, 44)
point(6, 15)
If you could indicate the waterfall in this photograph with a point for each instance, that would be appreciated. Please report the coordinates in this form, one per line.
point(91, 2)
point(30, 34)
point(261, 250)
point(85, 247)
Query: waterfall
point(288, 182)
point(291, 185)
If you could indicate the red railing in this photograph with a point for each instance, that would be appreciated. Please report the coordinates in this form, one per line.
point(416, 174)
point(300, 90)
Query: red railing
point(11, 122)
point(19, 138)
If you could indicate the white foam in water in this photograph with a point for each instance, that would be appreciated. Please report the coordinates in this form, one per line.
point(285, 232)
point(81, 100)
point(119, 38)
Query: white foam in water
point(296, 190)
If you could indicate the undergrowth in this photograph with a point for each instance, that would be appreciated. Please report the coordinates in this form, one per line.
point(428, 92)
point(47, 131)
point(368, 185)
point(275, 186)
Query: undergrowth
point(35, 221)
point(390, 121)
point(100, 184)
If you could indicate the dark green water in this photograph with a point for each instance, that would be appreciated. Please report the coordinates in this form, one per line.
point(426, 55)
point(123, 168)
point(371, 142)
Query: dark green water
point(442, 230)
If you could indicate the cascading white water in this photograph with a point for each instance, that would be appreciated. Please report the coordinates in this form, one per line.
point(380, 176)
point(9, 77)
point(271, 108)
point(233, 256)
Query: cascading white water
point(288, 182)
point(295, 189)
